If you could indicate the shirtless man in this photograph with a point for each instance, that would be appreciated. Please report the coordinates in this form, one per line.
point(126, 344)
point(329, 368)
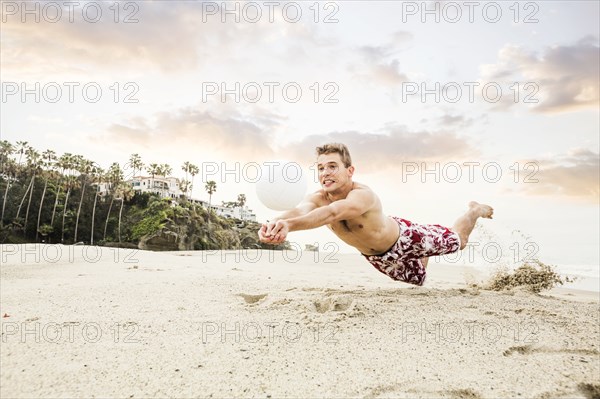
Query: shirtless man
point(394, 246)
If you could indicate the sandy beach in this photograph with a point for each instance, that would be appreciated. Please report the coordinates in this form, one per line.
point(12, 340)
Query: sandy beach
point(102, 322)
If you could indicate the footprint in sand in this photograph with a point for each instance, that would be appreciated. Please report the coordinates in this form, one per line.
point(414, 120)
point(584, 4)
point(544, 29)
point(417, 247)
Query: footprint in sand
point(523, 350)
point(464, 394)
point(591, 391)
point(251, 299)
point(528, 349)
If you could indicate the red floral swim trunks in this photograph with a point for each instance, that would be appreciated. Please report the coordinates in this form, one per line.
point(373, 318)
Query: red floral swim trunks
point(402, 261)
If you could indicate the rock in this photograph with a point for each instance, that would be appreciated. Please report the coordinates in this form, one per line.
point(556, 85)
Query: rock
point(163, 240)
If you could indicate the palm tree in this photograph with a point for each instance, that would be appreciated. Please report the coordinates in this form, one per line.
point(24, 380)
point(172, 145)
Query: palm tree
point(63, 163)
point(193, 172)
point(186, 168)
point(124, 192)
point(165, 171)
point(153, 169)
point(69, 165)
point(135, 161)
point(33, 159)
point(241, 199)
point(34, 163)
point(8, 169)
point(85, 168)
point(21, 148)
point(6, 149)
point(97, 177)
point(184, 186)
point(211, 187)
point(114, 177)
point(48, 157)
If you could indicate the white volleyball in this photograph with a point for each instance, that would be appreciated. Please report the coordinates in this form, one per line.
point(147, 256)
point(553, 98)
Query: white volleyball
point(282, 185)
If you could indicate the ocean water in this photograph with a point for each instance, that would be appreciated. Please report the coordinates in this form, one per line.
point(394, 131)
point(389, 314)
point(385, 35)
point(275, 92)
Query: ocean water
point(579, 270)
point(586, 277)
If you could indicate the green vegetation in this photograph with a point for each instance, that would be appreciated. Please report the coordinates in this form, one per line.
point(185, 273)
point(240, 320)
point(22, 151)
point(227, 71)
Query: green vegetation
point(56, 199)
point(154, 218)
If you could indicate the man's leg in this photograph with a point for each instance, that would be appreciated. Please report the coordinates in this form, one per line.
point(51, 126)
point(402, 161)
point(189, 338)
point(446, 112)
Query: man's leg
point(464, 225)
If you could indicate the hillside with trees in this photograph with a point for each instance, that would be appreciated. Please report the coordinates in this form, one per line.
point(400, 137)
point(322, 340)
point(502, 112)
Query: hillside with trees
point(69, 199)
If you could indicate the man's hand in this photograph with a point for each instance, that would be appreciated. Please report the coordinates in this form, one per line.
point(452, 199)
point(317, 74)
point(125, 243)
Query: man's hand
point(262, 233)
point(274, 232)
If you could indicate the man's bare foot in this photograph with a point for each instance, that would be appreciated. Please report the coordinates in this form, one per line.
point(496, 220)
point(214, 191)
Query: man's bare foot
point(481, 210)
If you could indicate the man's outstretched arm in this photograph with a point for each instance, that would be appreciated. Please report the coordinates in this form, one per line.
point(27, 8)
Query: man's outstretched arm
point(307, 205)
point(357, 203)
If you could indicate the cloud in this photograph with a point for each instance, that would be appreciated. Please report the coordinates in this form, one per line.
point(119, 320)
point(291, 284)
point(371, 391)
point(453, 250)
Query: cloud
point(575, 174)
point(448, 120)
point(232, 135)
point(387, 150)
point(165, 36)
point(378, 63)
point(169, 37)
point(567, 76)
point(189, 131)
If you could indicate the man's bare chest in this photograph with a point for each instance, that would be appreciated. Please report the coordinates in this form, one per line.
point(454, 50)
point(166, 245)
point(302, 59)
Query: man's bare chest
point(348, 227)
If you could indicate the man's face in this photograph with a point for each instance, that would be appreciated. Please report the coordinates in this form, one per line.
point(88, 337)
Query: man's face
point(332, 172)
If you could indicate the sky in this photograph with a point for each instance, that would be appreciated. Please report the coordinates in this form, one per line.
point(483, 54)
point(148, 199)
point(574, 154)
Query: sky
point(439, 103)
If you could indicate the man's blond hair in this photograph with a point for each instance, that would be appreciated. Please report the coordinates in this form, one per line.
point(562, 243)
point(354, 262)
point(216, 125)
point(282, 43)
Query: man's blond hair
point(339, 148)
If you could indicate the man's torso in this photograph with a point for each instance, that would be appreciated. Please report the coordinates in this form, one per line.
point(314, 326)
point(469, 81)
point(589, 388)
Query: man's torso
point(371, 233)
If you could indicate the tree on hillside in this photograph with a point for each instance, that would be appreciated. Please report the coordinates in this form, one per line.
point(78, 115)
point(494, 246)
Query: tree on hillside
point(97, 176)
point(193, 172)
point(48, 159)
point(154, 170)
point(184, 186)
point(21, 149)
point(135, 161)
point(62, 163)
point(33, 163)
point(69, 166)
point(211, 188)
point(8, 170)
point(123, 192)
point(186, 168)
point(165, 171)
point(85, 168)
point(114, 177)
point(229, 204)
